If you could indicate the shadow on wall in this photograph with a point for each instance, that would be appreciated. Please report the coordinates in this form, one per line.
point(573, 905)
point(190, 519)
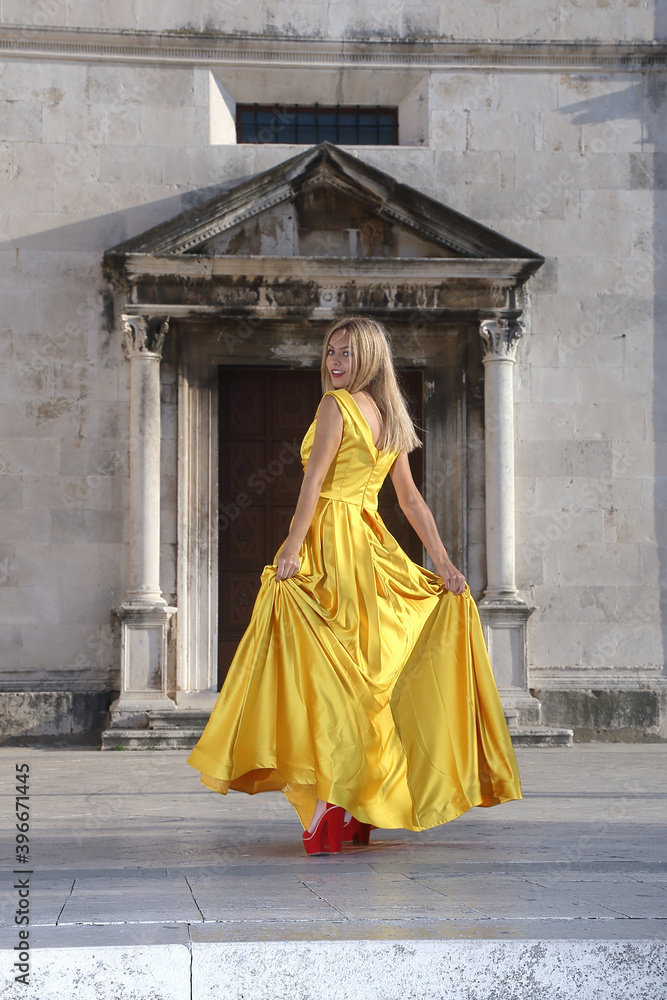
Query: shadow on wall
point(622, 104)
point(98, 234)
point(84, 240)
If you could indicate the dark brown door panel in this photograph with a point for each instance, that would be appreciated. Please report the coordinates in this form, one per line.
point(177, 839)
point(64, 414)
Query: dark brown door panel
point(264, 414)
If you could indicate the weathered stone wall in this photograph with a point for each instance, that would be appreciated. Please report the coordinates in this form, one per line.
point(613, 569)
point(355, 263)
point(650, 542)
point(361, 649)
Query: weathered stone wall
point(577, 19)
point(570, 163)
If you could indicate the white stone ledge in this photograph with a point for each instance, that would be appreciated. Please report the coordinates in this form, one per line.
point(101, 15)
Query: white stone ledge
point(142, 972)
point(220, 48)
point(459, 970)
point(174, 969)
point(595, 679)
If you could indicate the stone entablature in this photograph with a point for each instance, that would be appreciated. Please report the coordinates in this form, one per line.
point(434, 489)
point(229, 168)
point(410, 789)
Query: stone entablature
point(217, 48)
point(312, 292)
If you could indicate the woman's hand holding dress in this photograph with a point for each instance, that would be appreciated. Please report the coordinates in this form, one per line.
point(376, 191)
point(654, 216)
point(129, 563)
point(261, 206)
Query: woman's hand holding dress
point(287, 563)
point(420, 517)
point(452, 578)
point(328, 435)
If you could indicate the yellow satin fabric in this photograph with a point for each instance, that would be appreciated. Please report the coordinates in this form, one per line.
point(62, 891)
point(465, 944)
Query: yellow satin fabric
point(360, 680)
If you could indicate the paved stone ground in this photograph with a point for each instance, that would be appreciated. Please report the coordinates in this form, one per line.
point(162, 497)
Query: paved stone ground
point(133, 857)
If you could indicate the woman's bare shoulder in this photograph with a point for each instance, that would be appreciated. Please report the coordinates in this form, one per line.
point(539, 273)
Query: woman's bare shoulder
point(329, 416)
point(328, 433)
point(329, 406)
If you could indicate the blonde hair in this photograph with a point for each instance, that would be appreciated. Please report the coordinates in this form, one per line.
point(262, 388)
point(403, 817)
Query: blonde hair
point(372, 369)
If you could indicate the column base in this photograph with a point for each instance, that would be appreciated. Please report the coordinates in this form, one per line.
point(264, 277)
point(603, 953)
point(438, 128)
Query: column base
point(144, 655)
point(540, 736)
point(144, 599)
point(161, 726)
point(504, 619)
point(200, 701)
point(175, 729)
point(135, 712)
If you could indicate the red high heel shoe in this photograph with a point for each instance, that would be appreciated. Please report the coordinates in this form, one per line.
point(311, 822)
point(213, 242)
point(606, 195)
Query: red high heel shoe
point(327, 837)
point(356, 832)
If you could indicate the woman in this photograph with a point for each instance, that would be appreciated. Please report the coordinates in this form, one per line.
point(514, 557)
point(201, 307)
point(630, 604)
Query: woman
point(362, 687)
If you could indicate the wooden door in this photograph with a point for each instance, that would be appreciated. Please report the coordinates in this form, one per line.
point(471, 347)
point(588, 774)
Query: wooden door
point(264, 414)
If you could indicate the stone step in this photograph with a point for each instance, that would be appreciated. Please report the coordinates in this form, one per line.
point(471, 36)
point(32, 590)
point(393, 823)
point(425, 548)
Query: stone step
point(147, 962)
point(188, 727)
point(150, 739)
point(540, 736)
point(180, 718)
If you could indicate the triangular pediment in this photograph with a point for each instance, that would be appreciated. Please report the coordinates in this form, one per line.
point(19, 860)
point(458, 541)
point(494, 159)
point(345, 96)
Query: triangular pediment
point(324, 203)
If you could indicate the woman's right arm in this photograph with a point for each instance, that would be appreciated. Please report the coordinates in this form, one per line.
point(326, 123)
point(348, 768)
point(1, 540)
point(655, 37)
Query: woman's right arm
point(326, 442)
point(420, 517)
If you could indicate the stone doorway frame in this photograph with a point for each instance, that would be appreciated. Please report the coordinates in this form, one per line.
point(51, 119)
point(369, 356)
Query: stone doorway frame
point(144, 615)
point(200, 353)
point(469, 286)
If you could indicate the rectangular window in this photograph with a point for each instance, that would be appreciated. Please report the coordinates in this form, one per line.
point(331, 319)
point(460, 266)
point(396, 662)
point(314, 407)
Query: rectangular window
point(306, 126)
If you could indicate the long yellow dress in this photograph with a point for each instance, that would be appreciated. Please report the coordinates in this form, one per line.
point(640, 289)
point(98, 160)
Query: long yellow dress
point(361, 680)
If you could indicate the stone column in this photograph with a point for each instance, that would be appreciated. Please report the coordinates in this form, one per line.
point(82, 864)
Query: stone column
point(144, 614)
point(503, 613)
point(499, 344)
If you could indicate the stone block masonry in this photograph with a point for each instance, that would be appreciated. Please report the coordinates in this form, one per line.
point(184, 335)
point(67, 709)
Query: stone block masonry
point(561, 149)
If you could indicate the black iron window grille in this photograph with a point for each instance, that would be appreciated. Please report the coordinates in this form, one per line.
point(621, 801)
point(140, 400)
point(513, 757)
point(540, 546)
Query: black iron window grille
point(301, 125)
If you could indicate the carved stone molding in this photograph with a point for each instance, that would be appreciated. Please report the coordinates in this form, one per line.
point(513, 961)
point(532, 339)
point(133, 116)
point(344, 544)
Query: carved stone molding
point(500, 338)
point(143, 336)
point(215, 48)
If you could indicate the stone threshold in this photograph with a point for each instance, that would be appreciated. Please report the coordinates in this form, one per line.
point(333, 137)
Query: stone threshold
point(180, 730)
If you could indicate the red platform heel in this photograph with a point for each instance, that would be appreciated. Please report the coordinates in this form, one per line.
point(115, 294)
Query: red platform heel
point(327, 837)
point(356, 832)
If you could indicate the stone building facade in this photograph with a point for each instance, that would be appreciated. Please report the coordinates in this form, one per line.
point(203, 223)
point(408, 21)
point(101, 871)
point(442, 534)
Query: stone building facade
point(513, 239)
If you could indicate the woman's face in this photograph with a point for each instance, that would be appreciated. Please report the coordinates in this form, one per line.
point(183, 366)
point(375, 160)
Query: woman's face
point(339, 360)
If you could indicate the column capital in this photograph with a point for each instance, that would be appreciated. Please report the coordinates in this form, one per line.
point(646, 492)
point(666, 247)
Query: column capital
point(143, 336)
point(500, 338)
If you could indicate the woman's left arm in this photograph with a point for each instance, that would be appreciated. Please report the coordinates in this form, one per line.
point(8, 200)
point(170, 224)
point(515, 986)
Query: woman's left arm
point(326, 442)
point(420, 517)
